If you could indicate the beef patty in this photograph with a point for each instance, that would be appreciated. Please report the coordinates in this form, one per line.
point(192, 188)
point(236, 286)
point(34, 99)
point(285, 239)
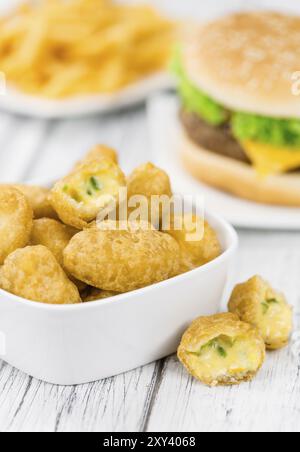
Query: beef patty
point(216, 139)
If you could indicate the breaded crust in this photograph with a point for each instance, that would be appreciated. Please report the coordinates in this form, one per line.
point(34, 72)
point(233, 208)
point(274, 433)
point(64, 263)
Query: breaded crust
point(38, 199)
point(99, 151)
point(16, 219)
point(121, 261)
point(149, 181)
point(205, 329)
point(53, 235)
point(198, 242)
point(76, 212)
point(249, 301)
point(34, 273)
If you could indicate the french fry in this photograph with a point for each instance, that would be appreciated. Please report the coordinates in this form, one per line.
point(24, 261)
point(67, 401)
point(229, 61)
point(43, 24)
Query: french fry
point(58, 49)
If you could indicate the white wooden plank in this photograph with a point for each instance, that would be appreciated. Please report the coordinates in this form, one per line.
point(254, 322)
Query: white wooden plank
point(269, 404)
point(116, 404)
point(20, 148)
point(275, 256)
point(70, 140)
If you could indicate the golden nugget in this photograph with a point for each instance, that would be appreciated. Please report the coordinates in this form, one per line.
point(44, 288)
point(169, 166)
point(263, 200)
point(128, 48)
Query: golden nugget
point(198, 242)
point(99, 152)
point(221, 350)
point(53, 235)
point(256, 302)
point(148, 181)
point(38, 199)
point(34, 273)
point(88, 190)
point(16, 219)
point(121, 261)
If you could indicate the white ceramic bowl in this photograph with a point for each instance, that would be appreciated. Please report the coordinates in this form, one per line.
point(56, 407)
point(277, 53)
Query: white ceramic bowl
point(82, 343)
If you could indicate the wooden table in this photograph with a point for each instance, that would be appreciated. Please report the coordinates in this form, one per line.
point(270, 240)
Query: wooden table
point(160, 396)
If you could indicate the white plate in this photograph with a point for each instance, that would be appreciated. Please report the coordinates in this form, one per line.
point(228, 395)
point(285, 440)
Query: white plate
point(16, 102)
point(165, 130)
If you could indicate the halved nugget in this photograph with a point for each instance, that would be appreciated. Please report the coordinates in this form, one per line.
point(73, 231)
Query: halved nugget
point(222, 350)
point(256, 302)
point(121, 261)
point(87, 191)
point(34, 273)
point(198, 242)
point(16, 219)
point(153, 184)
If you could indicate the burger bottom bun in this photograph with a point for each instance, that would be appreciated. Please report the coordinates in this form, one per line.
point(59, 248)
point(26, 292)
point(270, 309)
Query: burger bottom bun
point(239, 178)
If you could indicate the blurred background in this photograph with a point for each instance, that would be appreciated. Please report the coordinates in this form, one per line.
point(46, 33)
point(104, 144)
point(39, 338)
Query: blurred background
point(201, 8)
point(35, 148)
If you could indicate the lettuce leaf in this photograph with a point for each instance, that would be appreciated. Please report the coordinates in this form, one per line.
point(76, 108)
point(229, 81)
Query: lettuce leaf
point(277, 132)
point(193, 99)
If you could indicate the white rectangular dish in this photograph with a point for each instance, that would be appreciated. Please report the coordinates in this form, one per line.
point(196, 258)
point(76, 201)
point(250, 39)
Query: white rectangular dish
point(77, 344)
point(16, 102)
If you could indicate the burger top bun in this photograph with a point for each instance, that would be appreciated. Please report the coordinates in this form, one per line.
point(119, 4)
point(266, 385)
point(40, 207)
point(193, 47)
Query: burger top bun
point(248, 62)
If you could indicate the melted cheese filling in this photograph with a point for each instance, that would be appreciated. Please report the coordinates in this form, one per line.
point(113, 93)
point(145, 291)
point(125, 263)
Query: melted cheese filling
point(93, 192)
point(275, 322)
point(269, 160)
point(226, 357)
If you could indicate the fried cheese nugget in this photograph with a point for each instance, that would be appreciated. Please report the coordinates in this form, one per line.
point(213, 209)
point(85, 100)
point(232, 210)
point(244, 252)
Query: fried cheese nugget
point(34, 273)
point(16, 218)
point(100, 151)
point(93, 294)
point(198, 242)
point(147, 180)
point(130, 226)
point(122, 261)
point(221, 350)
point(53, 235)
point(38, 199)
point(257, 303)
point(88, 190)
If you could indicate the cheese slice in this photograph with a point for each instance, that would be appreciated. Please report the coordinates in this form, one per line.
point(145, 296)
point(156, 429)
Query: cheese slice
point(269, 160)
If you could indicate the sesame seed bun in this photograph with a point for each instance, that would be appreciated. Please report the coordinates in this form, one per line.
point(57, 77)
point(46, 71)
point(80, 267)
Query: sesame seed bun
point(246, 62)
point(239, 178)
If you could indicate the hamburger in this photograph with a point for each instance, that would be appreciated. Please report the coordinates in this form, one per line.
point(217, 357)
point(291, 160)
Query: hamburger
point(240, 114)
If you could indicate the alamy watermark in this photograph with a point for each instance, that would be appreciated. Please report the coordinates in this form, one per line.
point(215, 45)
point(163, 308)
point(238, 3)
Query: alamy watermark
point(175, 213)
